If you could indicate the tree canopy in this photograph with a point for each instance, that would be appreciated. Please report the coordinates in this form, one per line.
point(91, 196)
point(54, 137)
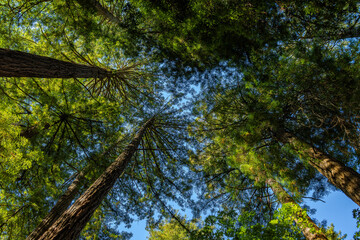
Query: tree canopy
point(112, 111)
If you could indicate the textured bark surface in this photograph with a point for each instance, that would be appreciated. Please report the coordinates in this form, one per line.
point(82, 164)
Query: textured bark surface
point(21, 64)
point(65, 200)
point(341, 176)
point(310, 230)
point(60, 207)
point(71, 222)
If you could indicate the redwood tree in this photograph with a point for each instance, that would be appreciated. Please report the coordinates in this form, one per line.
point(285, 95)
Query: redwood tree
point(297, 105)
point(60, 207)
point(21, 64)
point(71, 222)
point(307, 100)
point(344, 178)
point(66, 198)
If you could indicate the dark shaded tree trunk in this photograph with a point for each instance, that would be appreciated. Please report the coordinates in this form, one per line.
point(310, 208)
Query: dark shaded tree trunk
point(341, 176)
point(60, 207)
point(72, 221)
point(64, 201)
point(310, 230)
point(21, 64)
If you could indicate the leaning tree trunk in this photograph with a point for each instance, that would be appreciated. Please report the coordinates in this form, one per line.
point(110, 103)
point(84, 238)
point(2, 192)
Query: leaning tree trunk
point(310, 230)
point(60, 207)
point(64, 201)
point(71, 222)
point(21, 64)
point(341, 176)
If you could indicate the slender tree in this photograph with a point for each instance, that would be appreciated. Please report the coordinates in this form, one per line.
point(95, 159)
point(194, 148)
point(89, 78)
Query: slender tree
point(125, 81)
point(60, 207)
point(278, 104)
point(71, 222)
point(65, 200)
point(54, 142)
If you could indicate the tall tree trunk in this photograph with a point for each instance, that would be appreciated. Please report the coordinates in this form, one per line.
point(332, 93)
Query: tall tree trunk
point(60, 207)
point(72, 221)
point(341, 176)
point(310, 230)
point(65, 200)
point(21, 64)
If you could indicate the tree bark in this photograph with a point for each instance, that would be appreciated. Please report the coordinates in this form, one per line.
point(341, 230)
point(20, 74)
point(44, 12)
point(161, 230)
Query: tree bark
point(341, 176)
point(72, 221)
point(64, 201)
point(310, 230)
point(21, 64)
point(60, 207)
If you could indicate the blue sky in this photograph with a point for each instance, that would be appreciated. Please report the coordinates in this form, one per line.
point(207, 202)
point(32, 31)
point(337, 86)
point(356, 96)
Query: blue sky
point(337, 209)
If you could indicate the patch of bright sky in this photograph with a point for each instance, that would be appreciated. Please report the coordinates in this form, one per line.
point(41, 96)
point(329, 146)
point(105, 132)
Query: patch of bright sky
point(336, 209)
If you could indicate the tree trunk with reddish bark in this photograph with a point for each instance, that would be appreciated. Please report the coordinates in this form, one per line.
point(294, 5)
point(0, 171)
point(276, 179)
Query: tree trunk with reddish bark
point(341, 176)
point(22, 64)
point(60, 207)
point(310, 230)
point(64, 201)
point(72, 221)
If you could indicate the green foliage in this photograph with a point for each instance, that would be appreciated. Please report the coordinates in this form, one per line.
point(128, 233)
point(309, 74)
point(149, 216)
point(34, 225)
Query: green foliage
point(53, 130)
point(263, 67)
point(356, 215)
point(171, 230)
point(332, 234)
point(241, 118)
point(231, 226)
